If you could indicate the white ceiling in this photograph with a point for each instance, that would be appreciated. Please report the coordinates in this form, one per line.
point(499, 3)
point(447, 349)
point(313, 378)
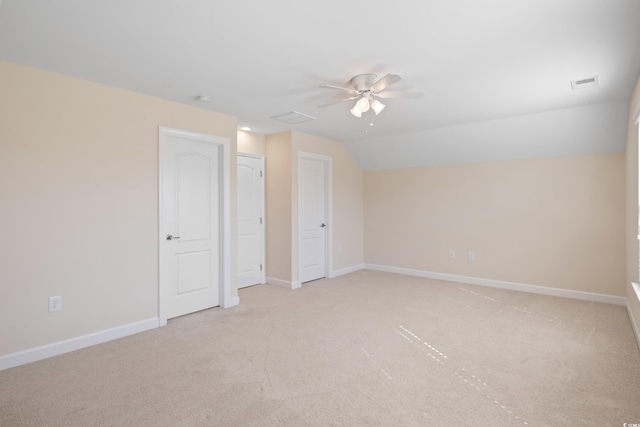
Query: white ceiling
point(476, 61)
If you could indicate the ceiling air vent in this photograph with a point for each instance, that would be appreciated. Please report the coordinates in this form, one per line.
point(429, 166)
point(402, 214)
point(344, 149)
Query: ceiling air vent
point(293, 118)
point(579, 84)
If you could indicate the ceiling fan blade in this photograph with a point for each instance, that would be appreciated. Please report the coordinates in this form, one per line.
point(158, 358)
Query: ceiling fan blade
point(385, 82)
point(340, 88)
point(338, 102)
point(397, 94)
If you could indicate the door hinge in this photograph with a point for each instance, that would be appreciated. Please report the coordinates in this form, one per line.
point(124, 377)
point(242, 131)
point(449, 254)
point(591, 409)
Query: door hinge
point(260, 174)
point(260, 220)
point(260, 267)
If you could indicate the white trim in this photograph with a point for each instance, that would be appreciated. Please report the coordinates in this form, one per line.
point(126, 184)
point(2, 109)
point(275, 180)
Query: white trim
point(61, 347)
point(283, 283)
point(346, 270)
point(278, 282)
point(328, 161)
point(634, 324)
point(230, 302)
point(263, 214)
point(225, 298)
point(225, 212)
point(534, 289)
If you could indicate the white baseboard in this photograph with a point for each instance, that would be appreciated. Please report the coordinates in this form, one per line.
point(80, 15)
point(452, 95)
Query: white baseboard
point(283, 283)
point(534, 289)
point(231, 302)
point(347, 270)
point(634, 324)
point(61, 347)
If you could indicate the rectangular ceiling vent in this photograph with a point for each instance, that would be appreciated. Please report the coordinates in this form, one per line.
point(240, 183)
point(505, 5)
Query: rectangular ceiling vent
point(293, 118)
point(579, 84)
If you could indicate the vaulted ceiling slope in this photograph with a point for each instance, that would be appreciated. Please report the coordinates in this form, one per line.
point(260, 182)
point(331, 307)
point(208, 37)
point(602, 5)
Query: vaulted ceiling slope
point(495, 73)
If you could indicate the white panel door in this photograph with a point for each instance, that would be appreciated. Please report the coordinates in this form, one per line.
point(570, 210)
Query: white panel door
point(312, 218)
point(250, 221)
point(191, 224)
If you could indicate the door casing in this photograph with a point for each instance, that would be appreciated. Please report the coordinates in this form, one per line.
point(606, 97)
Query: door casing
point(263, 277)
point(328, 163)
point(225, 217)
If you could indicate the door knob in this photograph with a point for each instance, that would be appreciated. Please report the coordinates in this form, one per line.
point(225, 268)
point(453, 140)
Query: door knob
point(170, 237)
point(323, 225)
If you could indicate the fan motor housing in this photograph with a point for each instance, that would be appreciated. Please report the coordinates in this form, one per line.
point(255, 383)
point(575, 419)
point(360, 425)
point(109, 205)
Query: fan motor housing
point(363, 82)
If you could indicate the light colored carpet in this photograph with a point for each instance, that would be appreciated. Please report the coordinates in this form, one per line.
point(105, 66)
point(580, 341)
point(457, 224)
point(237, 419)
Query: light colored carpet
point(366, 349)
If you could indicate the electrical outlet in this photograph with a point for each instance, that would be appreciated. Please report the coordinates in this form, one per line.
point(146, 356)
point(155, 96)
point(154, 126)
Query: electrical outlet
point(55, 304)
point(452, 254)
point(471, 256)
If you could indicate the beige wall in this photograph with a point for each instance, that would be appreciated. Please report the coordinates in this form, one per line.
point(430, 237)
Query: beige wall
point(555, 222)
point(252, 143)
point(79, 194)
point(278, 205)
point(282, 197)
point(632, 207)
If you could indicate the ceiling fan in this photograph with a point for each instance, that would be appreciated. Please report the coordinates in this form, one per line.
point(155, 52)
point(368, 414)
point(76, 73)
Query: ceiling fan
point(367, 89)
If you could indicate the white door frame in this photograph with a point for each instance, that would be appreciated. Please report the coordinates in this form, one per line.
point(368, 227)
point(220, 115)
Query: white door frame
point(263, 249)
point(328, 164)
point(225, 217)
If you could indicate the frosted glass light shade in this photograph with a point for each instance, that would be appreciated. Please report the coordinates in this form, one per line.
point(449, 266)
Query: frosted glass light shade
point(355, 111)
point(377, 106)
point(363, 105)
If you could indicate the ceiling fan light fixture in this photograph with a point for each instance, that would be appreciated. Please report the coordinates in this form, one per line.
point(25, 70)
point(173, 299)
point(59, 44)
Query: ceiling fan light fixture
point(366, 89)
point(377, 106)
point(363, 105)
